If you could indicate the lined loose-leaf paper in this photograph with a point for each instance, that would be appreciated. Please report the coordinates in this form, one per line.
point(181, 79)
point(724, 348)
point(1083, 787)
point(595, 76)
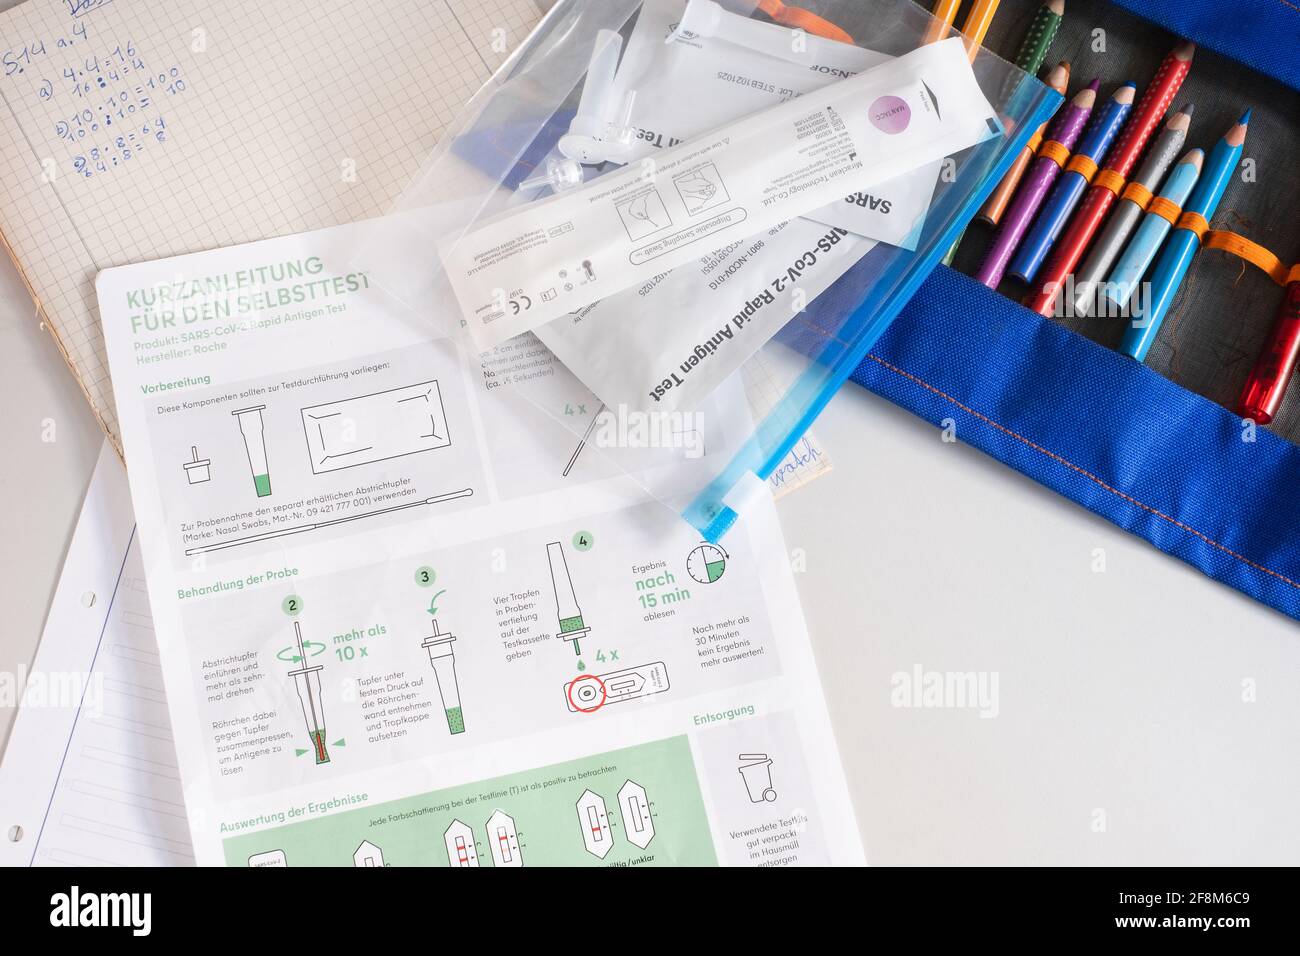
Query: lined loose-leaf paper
point(132, 130)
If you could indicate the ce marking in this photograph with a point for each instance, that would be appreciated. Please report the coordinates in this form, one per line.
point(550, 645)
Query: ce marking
point(521, 304)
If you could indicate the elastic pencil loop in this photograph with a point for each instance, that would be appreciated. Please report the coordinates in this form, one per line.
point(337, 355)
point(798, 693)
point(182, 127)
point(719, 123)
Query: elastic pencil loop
point(1055, 152)
point(1254, 253)
point(1166, 209)
point(1109, 180)
point(1137, 193)
point(1085, 166)
point(1193, 222)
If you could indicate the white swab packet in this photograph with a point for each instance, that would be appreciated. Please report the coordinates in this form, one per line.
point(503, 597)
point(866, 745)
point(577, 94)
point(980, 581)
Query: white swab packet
point(735, 298)
point(539, 261)
point(681, 82)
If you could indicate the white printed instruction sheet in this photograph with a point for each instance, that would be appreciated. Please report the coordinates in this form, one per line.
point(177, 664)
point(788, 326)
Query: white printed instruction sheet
point(404, 619)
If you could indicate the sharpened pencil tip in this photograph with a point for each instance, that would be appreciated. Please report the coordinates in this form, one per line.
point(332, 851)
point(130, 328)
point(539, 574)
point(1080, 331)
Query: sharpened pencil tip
point(1188, 109)
point(1245, 117)
point(1056, 6)
point(1237, 134)
point(1095, 85)
point(1184, 50)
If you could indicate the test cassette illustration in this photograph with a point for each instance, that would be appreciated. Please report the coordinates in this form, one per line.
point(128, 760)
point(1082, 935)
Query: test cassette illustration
point(375, 427)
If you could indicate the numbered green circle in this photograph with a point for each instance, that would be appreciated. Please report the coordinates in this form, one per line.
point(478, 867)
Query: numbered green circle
point(425, 576)
point(292, 605)
point(583, 541)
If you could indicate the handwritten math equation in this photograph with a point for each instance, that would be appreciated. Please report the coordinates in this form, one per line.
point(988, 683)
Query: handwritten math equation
point(106, 101)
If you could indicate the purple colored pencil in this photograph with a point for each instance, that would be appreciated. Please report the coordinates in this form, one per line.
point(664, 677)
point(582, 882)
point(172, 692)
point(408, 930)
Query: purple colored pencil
point(1035, 187)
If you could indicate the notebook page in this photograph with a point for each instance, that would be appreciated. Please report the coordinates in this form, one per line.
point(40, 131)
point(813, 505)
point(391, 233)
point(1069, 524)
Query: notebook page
point(89, 776)
point(132, 130)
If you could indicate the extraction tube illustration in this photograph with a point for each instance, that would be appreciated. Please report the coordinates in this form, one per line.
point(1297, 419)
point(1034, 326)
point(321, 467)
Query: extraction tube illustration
point(572, 628)
point(443, 658)
point(756, 771)
point(252, 428)
point(307, 680)
point(197, 470)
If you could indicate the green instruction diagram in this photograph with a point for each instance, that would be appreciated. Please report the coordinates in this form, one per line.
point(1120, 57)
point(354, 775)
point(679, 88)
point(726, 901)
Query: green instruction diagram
point(638, 806)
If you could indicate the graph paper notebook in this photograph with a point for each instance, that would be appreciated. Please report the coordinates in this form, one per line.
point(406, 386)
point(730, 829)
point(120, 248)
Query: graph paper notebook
point(132, 130)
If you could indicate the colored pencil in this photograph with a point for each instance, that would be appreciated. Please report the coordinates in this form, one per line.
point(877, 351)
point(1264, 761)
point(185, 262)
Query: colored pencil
point(1101, 132)
point(976, 25)
point(1033, 51)
point(1119, 163)
point(1176, 256)
point(997, 203)
point(1042, 174)
point(1038, 38)
point(1141, 250)
point(1276, 363)
point(1128, 213)
point(944, 13)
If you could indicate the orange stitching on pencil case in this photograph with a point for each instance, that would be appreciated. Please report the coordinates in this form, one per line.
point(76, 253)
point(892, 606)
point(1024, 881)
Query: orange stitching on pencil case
point(1137, 193)
point(1254, 253)
point(1082, 471)
point(1054, 151)
point(1085, 166)
point(1166, 209)
point(1194, 222)
point(1109, 180)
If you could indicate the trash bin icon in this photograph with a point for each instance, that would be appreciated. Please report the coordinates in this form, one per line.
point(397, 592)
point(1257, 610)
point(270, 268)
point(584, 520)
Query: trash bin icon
point(756, 771)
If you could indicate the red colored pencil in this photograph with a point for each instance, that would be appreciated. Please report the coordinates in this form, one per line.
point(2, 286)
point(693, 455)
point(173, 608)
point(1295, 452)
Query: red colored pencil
point(1120, 161)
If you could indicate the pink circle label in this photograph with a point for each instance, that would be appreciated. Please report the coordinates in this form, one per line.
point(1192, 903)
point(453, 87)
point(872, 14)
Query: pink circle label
point(889, 114)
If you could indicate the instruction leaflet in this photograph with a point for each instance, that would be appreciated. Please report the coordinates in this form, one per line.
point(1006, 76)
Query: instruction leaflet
point(403, 620)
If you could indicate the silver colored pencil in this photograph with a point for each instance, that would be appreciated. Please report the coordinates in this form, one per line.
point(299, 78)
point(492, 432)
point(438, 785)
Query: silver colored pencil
point(1110, 242)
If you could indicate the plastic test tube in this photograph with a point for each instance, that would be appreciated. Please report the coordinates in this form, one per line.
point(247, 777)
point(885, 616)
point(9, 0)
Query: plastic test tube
point(307, 681)
point(251, 427)
point(443, 659)
point(572, 626)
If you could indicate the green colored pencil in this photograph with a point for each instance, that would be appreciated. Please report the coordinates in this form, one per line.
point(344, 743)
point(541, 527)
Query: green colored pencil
point(1038, 38)
point(1033, 53)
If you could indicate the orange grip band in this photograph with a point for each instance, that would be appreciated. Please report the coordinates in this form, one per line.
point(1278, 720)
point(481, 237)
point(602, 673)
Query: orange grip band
point(1085, 166)
point(1254, 253)
point(1136, 192)
point(1054, 151)
point(1166, 209)
point(1194, 222)
point(800, 19)
point(1109, 180)
point(1035, 141)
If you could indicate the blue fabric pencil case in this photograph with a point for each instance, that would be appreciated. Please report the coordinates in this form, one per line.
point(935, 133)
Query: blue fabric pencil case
point(1106, 432)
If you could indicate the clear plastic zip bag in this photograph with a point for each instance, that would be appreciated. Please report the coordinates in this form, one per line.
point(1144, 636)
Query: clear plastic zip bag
point(654, 202)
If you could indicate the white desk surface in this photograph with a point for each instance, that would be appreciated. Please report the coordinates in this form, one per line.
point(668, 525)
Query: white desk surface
point(1118, 692)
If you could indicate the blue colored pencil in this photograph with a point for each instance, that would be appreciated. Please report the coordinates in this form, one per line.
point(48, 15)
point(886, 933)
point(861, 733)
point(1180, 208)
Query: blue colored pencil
point(1065, 195)
point(1150, 235)
point(1149, 311)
